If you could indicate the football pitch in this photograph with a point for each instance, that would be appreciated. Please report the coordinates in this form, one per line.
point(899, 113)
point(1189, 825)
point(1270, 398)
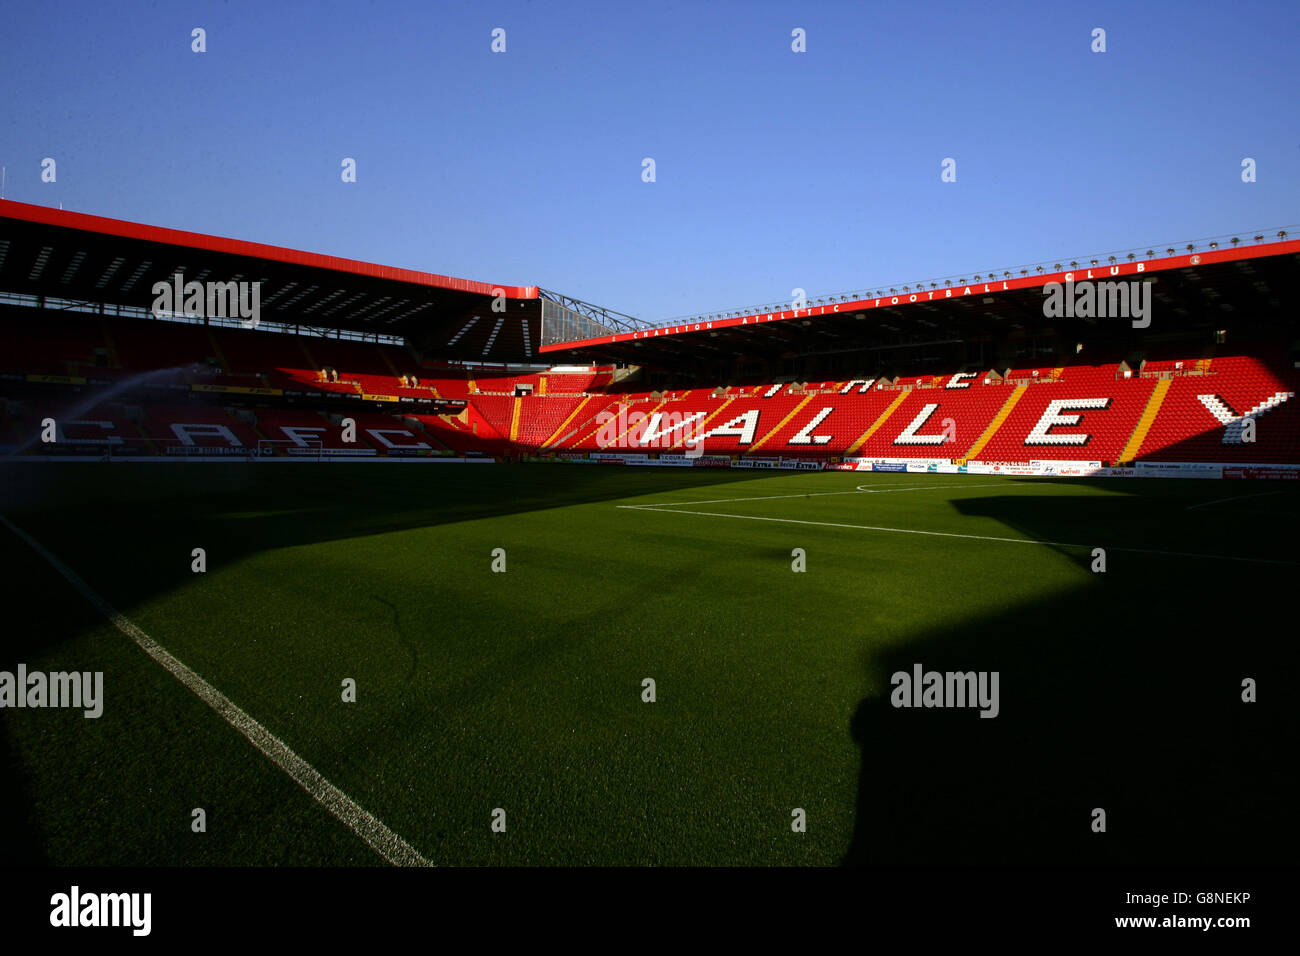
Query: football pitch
point(500, 623)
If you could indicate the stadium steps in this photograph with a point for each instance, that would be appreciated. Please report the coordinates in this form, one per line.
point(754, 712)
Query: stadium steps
point(582, 430)
point(250, 422)
point(256, 425)
point(1148, 419)
point(311, 359)
point(514, 418)
point(565, 424)
point(586, 431)
point(388, 363)
point(153, 446)
point(417, 428)
point(111, 345)
point(785, 421)
point(1003, 414)
point(875, 427)
point(623, 434)
point(216, 348)
point(704, 425)
point(541, 385)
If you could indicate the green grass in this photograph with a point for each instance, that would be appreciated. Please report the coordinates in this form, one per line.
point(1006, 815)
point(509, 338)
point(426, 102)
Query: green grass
point(522, 690)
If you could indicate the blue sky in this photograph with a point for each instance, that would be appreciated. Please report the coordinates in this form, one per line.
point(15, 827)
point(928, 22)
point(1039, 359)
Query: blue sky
point(774, 169)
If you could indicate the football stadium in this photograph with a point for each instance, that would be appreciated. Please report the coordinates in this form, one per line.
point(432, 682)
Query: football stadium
point(470, 553)
point(313, 561)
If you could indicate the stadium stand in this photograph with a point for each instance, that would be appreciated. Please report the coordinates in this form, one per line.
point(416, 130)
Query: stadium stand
point(49, 348)
point(540, 416)
point(1202, 415)
point(1087, 417)
point(195, 426)
point(301, 430)
point(1173, 405)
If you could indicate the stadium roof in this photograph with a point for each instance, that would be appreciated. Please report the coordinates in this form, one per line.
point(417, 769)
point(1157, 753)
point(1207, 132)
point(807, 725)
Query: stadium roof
point(60, 255)
point(73, 256)
point(1212, 287)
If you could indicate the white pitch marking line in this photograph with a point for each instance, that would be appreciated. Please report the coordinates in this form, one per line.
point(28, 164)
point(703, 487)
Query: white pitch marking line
point(861, 490)
point(1262, 494)
point(880, 491)
point(953, 534)
point(718, 501)
point(360, 821)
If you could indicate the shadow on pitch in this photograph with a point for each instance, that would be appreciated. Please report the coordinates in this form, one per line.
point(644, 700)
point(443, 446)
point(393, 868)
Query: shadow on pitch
point(130, 529)
point(1123, 694)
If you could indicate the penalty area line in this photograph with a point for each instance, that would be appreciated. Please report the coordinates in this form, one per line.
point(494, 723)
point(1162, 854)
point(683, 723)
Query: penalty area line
point(351, 814)
point(954, 534)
